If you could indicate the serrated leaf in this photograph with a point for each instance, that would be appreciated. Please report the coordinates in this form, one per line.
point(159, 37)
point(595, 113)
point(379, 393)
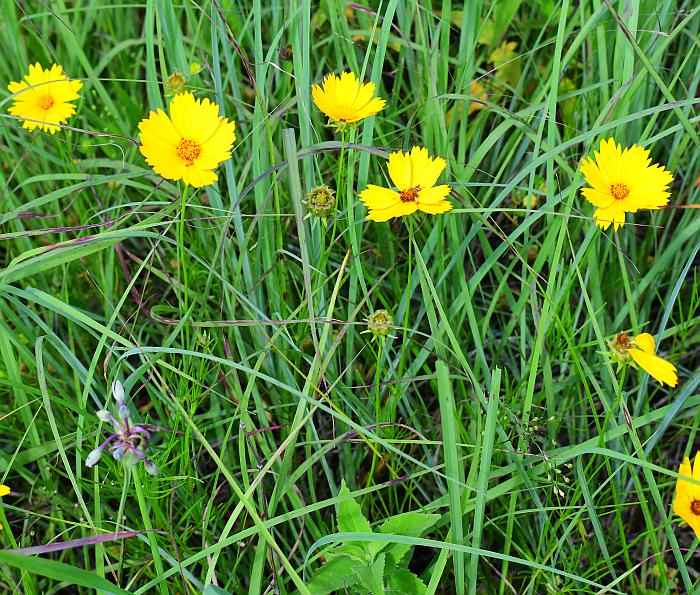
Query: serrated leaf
point(410, 524)
point(338, 573)
point(350, 517)
point(406, 583)
point(354, 549)
point(372, 577)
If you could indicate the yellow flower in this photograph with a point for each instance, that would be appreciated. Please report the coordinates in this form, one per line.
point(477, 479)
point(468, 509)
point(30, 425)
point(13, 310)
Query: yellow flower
point(344, 99)
point(4, 490)
point(623, 182)
point(414, 174)
point(640, 350)
point(686, 504)
point(190, 143)
point(43, 98)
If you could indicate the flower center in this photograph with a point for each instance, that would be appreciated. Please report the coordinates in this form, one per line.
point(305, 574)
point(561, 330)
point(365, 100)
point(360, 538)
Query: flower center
point(695, 507)
point(46, 102)
point(620, 191)
point(188, 150)
point(410, 194)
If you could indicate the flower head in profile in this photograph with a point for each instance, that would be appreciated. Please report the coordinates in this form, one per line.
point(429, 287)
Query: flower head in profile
point(129, 441)
point(43, 98)
point(686, 504)
point(414, 174)
point(345, 100)
point(190, 143)
point(623, 181)
point(639, 351)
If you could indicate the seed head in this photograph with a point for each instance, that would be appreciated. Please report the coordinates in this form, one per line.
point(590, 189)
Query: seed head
point(320, 201)
point(379, 323)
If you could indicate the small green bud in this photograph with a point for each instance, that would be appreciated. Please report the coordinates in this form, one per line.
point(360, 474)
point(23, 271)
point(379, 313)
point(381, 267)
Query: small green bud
point(320, 201)
point(379, 323)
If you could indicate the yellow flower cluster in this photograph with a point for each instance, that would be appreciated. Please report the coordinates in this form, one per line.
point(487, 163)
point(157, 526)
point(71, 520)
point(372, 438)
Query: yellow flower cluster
point(190, 141)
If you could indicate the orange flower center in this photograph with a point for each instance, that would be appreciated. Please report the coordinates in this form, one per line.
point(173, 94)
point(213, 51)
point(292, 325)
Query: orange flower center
point(46, 102)
point(620, 191)
point(188, 150)
point(410, 194)
point(695, 507)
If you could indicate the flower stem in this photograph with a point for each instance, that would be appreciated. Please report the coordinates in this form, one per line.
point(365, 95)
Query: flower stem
point(184, 281)
point(408, 300)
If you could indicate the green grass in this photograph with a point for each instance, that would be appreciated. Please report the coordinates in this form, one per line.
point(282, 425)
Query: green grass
point(491, 403)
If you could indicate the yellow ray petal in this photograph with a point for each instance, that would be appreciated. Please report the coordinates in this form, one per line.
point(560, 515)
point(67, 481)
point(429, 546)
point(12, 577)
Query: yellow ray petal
point(662, 371)
point(400, 170)
point(377, 197)
point(436, 208)
point(425, 170)
point(645, 342)
point(598, 198)
point(433, 195)
point(397, 210)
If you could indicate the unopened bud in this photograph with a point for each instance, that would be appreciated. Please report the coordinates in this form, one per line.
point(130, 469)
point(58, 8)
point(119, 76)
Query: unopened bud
point(93, 458)
point(104, 415)
point(320, 201)
point(151, 468)
point(118, 391)
point(379, 323)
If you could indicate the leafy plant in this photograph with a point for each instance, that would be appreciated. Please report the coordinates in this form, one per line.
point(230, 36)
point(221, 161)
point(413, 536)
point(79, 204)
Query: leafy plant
point(372, 566)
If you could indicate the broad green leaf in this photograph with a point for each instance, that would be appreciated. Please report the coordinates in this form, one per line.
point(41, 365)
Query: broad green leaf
point(404, 582)
point(372, 577)
point(338, 573)
point(350, 517)
point(410, 524)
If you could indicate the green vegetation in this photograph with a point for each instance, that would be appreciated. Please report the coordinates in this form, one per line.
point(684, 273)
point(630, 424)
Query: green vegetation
point(487, 442)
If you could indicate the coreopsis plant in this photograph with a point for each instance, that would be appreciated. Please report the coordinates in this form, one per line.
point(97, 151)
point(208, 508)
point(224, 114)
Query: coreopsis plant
point(345, 100)
point(415, 176)
point(190, 143)
point(623, 181)
point(43, 98)
point(640, 351)
point(686, 504)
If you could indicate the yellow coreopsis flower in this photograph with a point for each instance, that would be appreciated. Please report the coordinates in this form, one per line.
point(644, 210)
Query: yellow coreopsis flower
point(4, 490)
point(623, 181)
point(345, 100)
point(686, 504)
point(190, 143)
point(640, 351)
point(43, 98)
point(414, 174)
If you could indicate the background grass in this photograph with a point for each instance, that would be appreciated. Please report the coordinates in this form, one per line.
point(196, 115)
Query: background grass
point(491, 403)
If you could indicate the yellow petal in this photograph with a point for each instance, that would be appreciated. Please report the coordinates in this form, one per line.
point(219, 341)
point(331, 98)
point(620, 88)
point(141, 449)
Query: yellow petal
point(398, 210)
point(4, 490)
point(425, 170)
point(400, 170)
point(597, 198)
point(433, 195)
point(376, 197)
point(594, 176)
point(662, 371)
point(435, 208)
point(645, 342)
point(197, 177)
point(613, 214)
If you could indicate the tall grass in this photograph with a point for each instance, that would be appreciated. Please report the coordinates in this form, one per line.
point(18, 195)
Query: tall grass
point(491, 403)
